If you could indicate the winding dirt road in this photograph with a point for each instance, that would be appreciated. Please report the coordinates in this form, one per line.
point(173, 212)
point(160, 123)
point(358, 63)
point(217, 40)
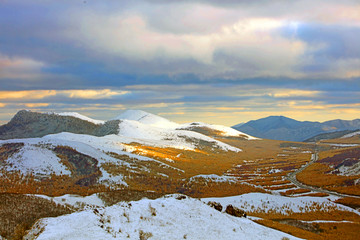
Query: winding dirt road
point(292, 177)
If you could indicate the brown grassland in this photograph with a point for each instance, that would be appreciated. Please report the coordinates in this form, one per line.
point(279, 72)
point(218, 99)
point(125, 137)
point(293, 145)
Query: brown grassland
point(19, 212)
point(322, 173)
point(261, 166)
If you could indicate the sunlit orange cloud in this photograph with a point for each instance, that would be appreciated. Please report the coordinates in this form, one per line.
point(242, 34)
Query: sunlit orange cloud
point(293, 93)
point(171, 113)
point(40, 94)
point(31, 94)
point(155, 105)
point(230, 108)
point(92, 94)
point(2, 104)
point(160, 105)
point(33, 105)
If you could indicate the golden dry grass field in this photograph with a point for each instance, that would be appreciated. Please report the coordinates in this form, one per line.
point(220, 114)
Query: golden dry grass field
point(261, 166)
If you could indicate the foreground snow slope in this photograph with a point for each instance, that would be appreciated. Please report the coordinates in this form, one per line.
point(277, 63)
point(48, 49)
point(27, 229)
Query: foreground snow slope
point(163, 218)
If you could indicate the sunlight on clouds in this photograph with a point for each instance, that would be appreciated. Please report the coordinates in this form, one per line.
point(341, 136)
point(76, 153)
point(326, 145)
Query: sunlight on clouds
point(2, 104)
point(156, 105)
point(31, 94)
point(293, 93)
point(230, 108)
point(253, 25)
point(92, 94)
point(34, 105)
point(41, 94)
point(308, 107)
point(171, 113)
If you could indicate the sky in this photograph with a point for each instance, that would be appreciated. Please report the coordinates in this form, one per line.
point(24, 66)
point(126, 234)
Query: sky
point(215, 61)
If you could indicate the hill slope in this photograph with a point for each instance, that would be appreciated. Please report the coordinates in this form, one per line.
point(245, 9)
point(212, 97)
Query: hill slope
point(26, 124)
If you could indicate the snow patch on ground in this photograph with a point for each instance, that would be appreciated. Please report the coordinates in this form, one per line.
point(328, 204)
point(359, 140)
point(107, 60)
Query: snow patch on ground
point(343, 144)
point(76, 201)
point(163, 218)
point(351, 134)
point(36, 160)
point(212, 178)
point(274, 170)
point(349, 170)
point(280, 204)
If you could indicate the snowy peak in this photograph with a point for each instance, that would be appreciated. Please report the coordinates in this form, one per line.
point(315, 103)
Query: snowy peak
point(146, 118)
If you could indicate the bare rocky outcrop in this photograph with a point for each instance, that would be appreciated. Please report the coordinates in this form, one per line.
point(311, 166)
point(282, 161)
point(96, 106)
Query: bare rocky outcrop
point(27, 124)
point(234, 211)
point(215, 205)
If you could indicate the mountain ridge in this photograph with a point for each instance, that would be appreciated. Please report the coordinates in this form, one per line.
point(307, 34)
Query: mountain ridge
point(288, 129)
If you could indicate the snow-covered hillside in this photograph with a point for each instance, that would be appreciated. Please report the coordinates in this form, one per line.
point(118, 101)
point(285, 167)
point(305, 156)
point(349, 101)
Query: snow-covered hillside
point(134, 131)
point(222, 130)
point(170, 217)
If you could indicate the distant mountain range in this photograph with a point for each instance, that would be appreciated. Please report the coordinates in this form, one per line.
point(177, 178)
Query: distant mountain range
point(287, 129)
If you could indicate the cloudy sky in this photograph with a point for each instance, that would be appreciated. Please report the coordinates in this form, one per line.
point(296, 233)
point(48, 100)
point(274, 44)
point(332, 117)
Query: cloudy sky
point(216, 61)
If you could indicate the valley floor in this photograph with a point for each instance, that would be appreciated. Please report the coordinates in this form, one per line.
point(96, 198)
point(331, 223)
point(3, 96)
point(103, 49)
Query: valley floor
point(154, 179)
